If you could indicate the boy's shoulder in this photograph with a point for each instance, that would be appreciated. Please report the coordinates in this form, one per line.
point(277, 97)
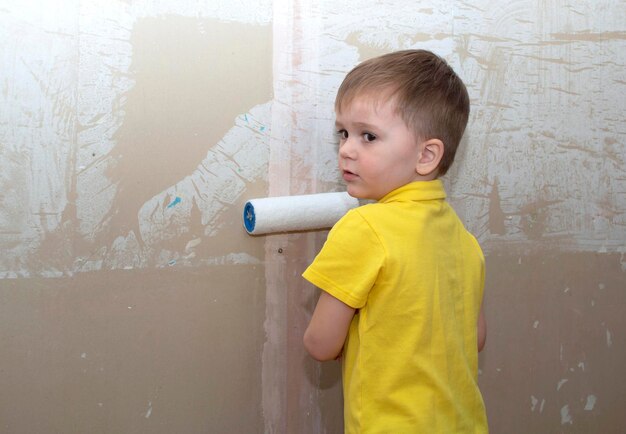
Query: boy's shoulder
point(368, 212)
point(358, 223)
point(375, 217)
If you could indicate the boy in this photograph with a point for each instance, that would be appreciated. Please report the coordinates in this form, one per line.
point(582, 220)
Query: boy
point(401, 279)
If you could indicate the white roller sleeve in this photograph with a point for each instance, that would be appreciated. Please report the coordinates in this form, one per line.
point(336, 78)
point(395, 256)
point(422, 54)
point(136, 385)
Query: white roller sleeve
point(296, 213)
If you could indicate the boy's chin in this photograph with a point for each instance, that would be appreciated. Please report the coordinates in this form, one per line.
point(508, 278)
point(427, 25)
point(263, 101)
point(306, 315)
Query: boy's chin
point(360, 194)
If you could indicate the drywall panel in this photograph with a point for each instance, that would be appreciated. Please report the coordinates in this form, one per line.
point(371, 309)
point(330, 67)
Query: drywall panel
point(133, 351)
point(555, 351)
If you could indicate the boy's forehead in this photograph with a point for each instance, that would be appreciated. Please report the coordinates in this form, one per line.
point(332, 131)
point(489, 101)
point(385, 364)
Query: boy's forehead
point(368, 99)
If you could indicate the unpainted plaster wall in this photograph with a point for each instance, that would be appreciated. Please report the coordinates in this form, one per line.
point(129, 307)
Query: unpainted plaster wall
point(131, 133)
point(132, 301)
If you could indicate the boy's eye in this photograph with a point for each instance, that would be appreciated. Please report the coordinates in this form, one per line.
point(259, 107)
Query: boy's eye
point(369, 137)
point(343, 134)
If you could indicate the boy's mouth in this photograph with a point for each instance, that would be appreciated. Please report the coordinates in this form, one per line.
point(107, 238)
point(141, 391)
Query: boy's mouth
point(349, 176)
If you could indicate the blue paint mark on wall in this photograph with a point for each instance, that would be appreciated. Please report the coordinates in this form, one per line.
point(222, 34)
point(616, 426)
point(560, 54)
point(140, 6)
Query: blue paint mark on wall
point(174, 202)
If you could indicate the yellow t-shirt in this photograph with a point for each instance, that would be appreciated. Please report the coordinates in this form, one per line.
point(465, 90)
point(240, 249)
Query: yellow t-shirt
point(416, 277)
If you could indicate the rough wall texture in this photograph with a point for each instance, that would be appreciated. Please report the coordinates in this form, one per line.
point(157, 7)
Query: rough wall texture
point(132, 301)
point(132, 132)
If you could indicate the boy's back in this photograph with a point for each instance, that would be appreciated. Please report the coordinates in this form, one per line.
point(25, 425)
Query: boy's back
point(416, 276)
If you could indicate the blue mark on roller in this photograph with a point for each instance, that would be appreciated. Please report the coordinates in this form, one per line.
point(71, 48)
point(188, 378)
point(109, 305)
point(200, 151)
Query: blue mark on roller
point(174, 202)
point(249, 218)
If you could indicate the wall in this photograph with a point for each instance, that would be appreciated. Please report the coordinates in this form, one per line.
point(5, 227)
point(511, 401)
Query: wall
point(131, 133)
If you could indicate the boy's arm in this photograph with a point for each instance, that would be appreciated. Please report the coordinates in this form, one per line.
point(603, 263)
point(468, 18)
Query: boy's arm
point(327, 331)
point(482, 330)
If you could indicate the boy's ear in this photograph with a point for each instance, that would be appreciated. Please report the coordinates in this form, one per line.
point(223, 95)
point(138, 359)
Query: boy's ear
point(430, 155)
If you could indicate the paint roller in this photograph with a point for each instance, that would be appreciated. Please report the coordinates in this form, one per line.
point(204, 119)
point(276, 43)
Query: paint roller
point(296, 213)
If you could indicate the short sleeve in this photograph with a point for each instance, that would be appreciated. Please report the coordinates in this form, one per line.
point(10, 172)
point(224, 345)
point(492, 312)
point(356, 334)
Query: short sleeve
point(350, 261)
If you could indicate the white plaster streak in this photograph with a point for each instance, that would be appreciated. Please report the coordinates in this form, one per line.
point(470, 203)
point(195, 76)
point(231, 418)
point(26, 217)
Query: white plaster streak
point(517, 124)
point(233, 259)
point(533, 403)
point(63, 97)
point(216, 183)
point(565, 415)
point(543, 402)
point(561, 383)
point(36, 124)
point(591, 402)
point(193, 243)
point(581, 365)
point(149, 412)
point(105, 57)
point(609, 338)
point(244, 11)
point(536, 324)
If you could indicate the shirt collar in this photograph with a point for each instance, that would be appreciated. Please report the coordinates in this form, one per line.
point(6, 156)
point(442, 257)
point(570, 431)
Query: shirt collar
point(418, 190)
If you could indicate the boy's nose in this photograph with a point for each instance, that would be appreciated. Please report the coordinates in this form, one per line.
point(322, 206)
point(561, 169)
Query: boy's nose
point(347, 149)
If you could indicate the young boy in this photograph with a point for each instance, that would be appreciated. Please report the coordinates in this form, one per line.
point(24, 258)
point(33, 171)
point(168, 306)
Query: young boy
point(402, 280)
